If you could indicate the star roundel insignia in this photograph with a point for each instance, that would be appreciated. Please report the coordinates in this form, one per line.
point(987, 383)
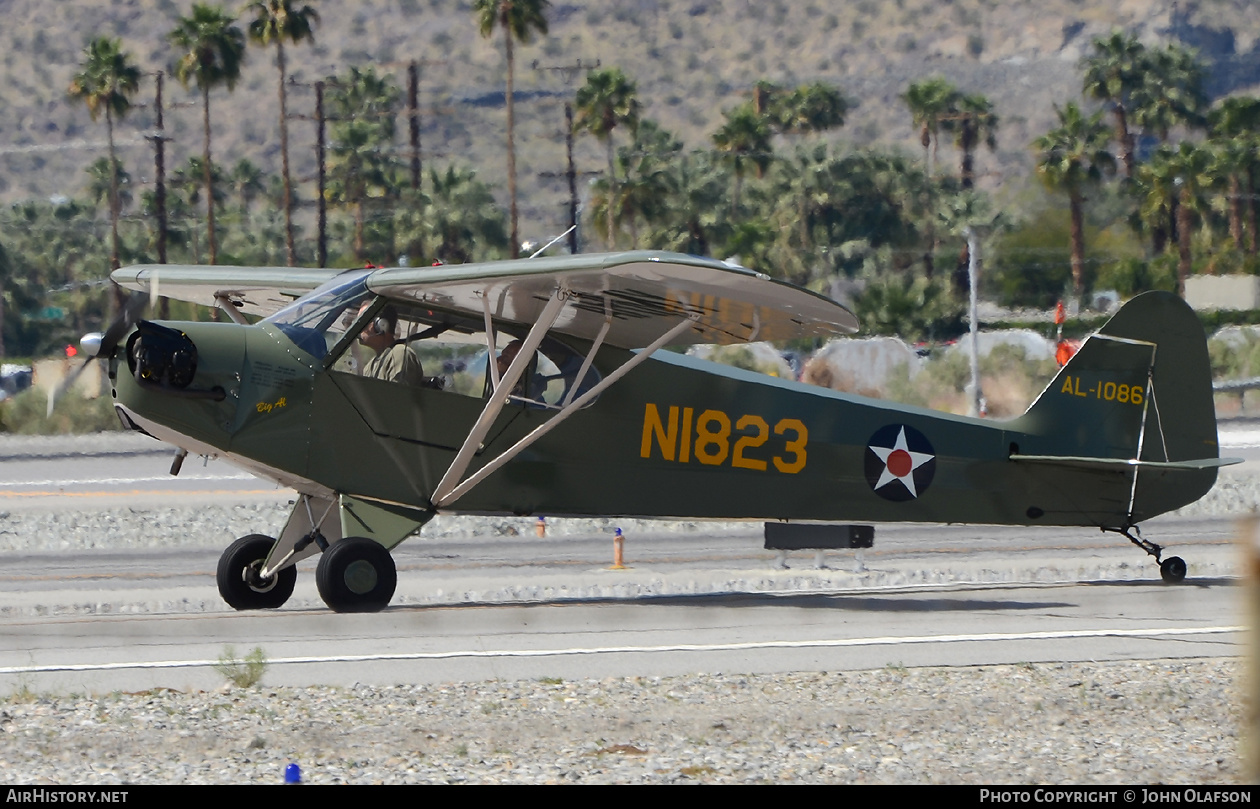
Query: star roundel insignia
point(900, 462)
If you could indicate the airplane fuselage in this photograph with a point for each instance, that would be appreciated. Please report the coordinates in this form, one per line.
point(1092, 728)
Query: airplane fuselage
point(676, 437)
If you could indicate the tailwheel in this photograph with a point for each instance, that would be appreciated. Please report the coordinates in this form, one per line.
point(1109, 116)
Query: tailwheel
point(238, 575)
point(356, 575)
point(1173, 569)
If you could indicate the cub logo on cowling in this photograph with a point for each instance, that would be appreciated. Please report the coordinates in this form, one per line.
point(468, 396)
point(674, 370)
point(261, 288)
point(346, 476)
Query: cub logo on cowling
point(900, 462)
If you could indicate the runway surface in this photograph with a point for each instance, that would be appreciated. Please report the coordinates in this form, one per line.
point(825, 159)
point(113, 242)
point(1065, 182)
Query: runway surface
point(487, 607)
point(842, 626)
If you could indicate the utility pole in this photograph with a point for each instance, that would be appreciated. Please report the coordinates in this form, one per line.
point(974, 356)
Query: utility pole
point(413, 112)
point(320, 140)
point(159, 139)
point(159, 165)
point(572, 174)
point(569, 73)
point(319, 157)
point(413, 120)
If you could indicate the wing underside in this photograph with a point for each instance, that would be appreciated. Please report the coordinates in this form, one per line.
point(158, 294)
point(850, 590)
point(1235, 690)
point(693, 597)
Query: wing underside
point(630, 298)
point(259, 291)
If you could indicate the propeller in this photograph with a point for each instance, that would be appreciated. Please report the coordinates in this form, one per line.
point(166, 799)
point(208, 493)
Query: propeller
point(96, 345)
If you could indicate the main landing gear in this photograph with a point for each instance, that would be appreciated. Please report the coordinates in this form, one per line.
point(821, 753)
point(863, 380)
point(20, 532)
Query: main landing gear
point(355, 574)
point(239, 575)
point(1172, 570)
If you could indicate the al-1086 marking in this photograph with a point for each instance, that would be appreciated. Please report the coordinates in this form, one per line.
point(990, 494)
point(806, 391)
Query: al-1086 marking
point(1108, 391)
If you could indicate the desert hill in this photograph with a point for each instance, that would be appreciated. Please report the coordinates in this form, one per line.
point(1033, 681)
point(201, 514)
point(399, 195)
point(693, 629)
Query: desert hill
point(691, 58)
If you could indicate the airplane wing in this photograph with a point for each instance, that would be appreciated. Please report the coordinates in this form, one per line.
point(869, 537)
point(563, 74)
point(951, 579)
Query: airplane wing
point(253, 290)
point(640, 294)
point(643, 294)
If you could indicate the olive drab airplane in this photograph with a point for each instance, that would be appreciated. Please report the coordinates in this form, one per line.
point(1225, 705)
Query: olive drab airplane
point(539, 386)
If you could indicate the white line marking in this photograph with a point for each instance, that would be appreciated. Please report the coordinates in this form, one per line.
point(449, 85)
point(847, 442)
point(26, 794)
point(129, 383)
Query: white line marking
point(62, 483)
point(682, 647)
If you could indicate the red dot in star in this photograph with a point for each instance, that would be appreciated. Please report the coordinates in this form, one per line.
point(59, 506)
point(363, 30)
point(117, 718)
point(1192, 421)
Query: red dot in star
point(900, 463)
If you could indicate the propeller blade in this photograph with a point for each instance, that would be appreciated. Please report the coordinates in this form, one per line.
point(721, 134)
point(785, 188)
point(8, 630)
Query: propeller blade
point(65, 385)
point(122, 324)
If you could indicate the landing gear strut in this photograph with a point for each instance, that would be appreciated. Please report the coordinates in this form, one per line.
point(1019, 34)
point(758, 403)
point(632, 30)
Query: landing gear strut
point(1171, 570)
point(238, 575)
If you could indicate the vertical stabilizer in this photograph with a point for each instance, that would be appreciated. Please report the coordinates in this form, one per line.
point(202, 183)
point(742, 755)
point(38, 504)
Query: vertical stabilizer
point(1140, 389)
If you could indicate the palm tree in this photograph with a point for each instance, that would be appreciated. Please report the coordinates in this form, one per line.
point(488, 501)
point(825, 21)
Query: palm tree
point(1232, 160)
point(109, 183)
point(519, 19)
point(1153, 185)
point(247, 182)
point(1116, 69)
point(973, 122)
point(605, 102)
point(1171, 92)
point(187, 184)
point(645, 191)
point(213, 49)
point(106, 81)
point(1191, 167)
point(458, 223)
point(811, 108)
point(361, 165)
point(695, 216)
point(274, 22)
point(744, 139)
point(1069, 159)
point(930, 101)
point(1237, 120)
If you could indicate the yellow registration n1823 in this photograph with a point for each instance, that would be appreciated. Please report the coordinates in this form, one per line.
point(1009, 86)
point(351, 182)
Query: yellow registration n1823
point(714, 438)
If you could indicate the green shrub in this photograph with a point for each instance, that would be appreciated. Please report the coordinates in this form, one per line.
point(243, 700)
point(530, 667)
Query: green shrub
point(245, 673)
point(1130, 276)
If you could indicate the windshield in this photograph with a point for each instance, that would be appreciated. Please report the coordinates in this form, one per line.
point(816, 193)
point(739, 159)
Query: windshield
point(315, 321)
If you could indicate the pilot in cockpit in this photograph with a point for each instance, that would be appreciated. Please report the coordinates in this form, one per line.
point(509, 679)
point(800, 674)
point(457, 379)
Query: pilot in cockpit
point(393, 360)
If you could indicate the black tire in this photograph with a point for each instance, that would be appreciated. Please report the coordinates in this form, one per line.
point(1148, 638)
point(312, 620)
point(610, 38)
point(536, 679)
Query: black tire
point(238, 576)
point(356, 575)
point(1173, 569)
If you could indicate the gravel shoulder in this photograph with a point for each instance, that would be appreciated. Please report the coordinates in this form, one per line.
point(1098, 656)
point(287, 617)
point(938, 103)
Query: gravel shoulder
point(1143, 722)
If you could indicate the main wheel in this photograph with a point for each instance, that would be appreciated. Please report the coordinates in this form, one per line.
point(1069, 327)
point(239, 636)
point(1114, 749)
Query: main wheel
point(1172, 569)
point(239, 583)
point(356, 575)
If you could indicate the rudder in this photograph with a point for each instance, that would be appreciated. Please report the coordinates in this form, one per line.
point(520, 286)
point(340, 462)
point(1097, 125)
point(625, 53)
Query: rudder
point(1143, 378)
point(1136, 399)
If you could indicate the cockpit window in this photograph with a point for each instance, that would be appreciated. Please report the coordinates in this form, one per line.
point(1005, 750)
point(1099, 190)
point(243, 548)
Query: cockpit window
point(317, 321)
point(447, 351)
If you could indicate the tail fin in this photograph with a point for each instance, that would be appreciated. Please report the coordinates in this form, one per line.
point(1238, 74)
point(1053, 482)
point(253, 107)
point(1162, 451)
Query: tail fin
point(1140, 388)
point(1136, 398)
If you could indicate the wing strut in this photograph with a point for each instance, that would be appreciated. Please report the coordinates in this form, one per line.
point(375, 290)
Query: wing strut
point(444, 498)
point(494, 405)
point(590, 355)
point(225, 303)
point(490, 340)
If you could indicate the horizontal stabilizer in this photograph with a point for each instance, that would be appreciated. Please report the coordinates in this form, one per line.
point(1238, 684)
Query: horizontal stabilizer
point(1081, 462)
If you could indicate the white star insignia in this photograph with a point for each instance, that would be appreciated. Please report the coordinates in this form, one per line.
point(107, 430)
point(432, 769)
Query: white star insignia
point(900, 463)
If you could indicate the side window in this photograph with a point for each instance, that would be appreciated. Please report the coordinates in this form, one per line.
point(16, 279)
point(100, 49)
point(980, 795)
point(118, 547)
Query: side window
point(413, 346)
point(552, 375)
point(420, 347)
